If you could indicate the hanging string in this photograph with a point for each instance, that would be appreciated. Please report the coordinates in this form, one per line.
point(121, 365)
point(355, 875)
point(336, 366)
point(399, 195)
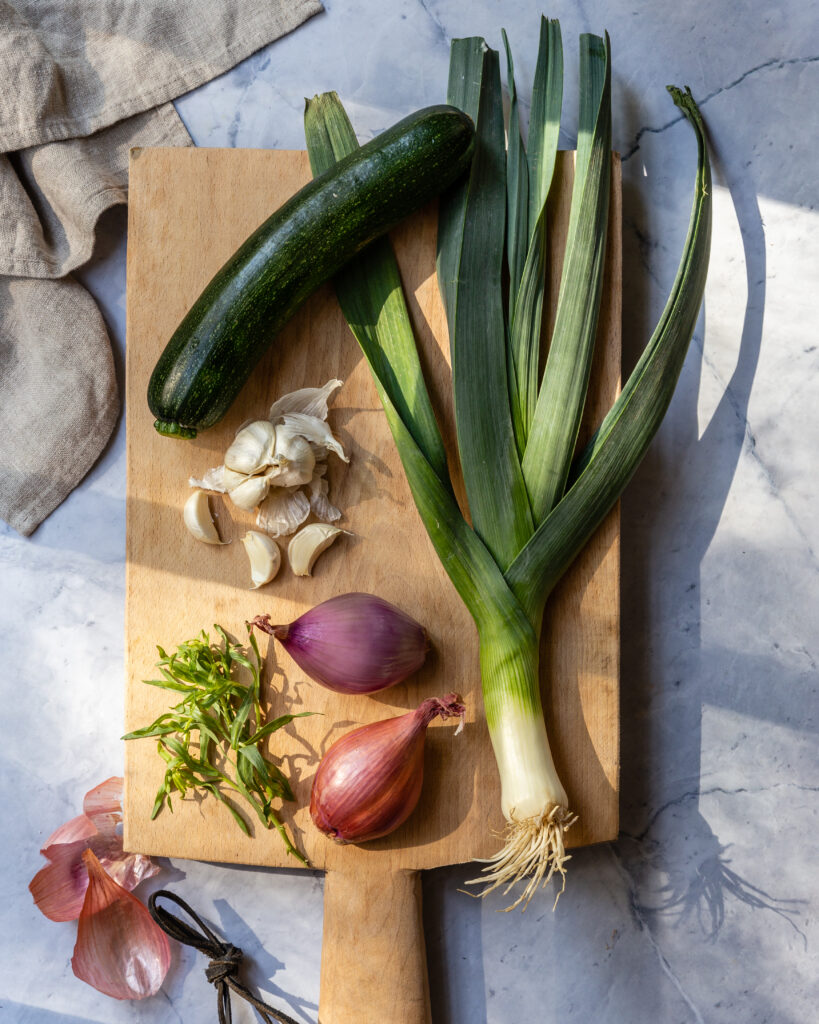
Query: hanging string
point(223, 969)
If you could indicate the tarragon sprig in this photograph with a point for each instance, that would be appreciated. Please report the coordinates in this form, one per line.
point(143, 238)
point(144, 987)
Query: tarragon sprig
point(218, 716)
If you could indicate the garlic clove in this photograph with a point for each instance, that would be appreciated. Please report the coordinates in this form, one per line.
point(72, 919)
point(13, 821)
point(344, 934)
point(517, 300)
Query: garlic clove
point(308, 544)
point(283, 512)
point(265, 557)
point(293, 461)
point(198, 519)
point(311, 401)
point(252, 448)
point(316, 431)
point(251, 492)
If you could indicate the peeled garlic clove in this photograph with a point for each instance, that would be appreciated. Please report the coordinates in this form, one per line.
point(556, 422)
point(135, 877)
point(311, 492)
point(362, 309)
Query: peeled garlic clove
point(316, 431)
point(312, 401)
point(265, 557)
point(293, 461)
point(198, 520)
point(250, 492)
point(308, 544)
point(252, 448)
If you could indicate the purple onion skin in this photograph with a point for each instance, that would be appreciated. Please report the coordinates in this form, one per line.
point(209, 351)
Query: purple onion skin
point(369, 781)
point(355, 643)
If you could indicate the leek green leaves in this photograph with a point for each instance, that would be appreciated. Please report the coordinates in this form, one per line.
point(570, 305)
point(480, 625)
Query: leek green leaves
point(533, 505)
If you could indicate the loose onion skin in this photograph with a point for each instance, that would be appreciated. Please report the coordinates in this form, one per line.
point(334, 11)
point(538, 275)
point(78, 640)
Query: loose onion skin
point(368, 783)
point(353, 643)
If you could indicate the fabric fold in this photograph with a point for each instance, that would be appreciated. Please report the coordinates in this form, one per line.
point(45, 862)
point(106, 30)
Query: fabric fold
point(92, 79)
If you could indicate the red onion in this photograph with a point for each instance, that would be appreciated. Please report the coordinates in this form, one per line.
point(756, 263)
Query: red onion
point(369, 781)
point(354, 643)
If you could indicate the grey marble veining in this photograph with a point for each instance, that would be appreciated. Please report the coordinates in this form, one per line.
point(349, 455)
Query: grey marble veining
point(704, 910)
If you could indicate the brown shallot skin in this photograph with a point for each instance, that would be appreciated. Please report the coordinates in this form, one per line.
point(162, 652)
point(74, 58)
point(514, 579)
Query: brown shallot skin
point(369, 781)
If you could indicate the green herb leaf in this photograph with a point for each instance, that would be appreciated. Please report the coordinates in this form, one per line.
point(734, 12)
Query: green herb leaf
point(225, 714)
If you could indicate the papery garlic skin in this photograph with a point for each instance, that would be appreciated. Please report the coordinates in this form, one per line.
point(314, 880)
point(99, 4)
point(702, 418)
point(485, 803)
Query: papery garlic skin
point(197, 518)
point(252, 448)
point(320, 505)
point(283, 512)
point(308, 544)
point(310, 401)
point(264, 555)
point(316, 432)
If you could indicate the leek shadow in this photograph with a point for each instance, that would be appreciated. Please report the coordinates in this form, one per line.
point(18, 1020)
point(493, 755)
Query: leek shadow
point(685, 499)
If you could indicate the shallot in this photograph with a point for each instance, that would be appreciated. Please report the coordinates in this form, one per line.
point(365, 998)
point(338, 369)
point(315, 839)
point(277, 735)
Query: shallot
point(369, 781)
point(353, 643)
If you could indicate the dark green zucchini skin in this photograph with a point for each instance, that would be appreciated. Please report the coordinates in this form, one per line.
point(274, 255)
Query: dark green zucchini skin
point(230, 326)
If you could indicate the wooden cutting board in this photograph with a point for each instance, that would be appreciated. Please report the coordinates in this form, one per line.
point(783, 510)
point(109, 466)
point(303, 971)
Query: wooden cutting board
point(189, 210)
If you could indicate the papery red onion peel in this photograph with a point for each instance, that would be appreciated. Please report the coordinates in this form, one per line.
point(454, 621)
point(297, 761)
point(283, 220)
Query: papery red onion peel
point(368, 783)
point(120, 950)
point(59, 888)
point(353, 643)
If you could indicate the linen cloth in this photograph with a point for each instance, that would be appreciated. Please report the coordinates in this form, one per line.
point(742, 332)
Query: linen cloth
point(84, 81)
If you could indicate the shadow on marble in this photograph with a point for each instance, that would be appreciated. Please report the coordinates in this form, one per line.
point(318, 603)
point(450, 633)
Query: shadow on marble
point(446, 933)
point(683, 503)
point(261, 967)
point(23, 1013)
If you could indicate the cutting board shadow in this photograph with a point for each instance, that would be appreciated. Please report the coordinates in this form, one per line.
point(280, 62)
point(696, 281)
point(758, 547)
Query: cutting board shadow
point(189, 210)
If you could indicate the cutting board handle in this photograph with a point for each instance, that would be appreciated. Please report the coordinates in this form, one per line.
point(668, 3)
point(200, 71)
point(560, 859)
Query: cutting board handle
point(373, 959)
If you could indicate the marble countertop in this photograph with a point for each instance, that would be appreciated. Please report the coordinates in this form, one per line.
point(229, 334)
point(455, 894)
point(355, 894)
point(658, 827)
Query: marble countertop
point(704, 910)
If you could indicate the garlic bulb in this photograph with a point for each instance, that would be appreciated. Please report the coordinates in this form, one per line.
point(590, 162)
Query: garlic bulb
point(198, 519)
point(265, 557)
point(308, 544)
point(252, 448)
point(269, 460)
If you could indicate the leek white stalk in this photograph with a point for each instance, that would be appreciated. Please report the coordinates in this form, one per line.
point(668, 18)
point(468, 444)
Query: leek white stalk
point(541, 505)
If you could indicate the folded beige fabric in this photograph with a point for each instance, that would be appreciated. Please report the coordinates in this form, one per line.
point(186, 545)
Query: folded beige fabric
point(84, 81)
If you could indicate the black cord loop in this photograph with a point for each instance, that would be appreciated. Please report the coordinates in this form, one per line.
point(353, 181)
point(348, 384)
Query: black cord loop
point(223, 969)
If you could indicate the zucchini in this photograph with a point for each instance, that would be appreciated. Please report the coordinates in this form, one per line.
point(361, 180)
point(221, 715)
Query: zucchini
point(229, 327)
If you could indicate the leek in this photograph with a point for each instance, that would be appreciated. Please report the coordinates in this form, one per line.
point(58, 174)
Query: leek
point(541, 504)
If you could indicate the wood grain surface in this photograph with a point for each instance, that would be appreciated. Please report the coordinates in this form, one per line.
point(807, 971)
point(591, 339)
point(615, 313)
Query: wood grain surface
point(189, 210)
